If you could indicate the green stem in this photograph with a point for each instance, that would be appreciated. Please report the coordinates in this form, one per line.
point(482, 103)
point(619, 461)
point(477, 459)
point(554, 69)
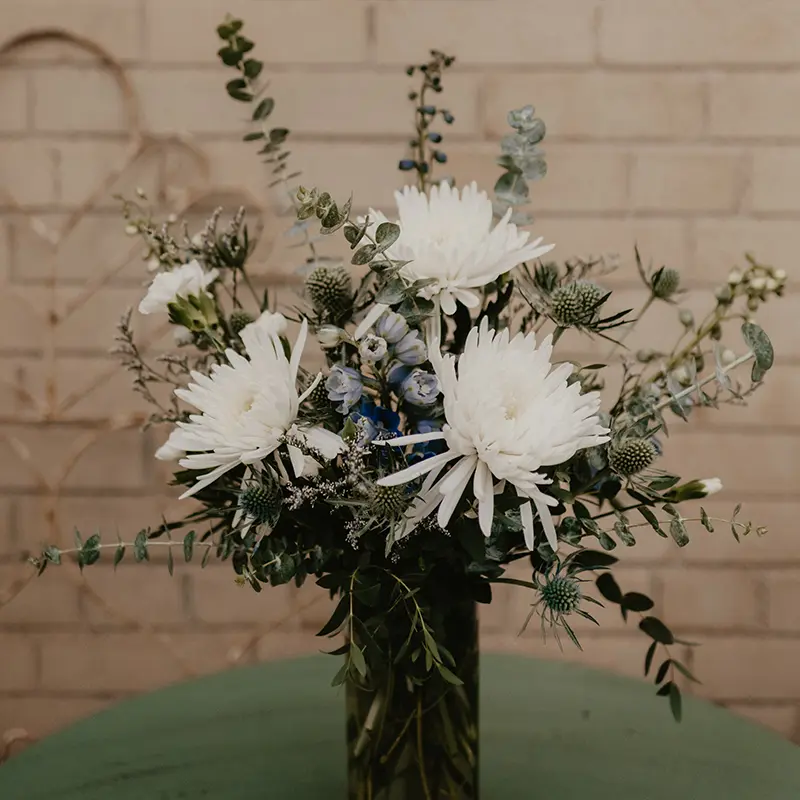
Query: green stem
point(420, 751)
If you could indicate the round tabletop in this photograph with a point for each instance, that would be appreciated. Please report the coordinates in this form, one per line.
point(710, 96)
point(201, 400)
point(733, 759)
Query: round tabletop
point(277, 731)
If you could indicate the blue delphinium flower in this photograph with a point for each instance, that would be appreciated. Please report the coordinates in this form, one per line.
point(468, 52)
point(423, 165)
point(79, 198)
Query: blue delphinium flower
point(411, 349)
point(372, 348)
point(375, 422)
point(420, 388)
point(344, 387)
point(391, 326)
point(426, 449)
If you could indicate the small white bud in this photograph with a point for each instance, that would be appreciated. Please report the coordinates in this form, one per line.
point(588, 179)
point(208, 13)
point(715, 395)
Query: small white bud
point(329, 336)
point(131, 229)
point(735, 277)
point(197, 239)
point(779, 275)
point(727, 356)
point(686, 317)
point(711, 485)
point(772, 284)
point(140, 192)
point(153, 264)
point(758, 284)
point(172, 219)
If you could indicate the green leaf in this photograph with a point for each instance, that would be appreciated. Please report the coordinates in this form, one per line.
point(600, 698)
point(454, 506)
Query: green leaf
point(757, 373)
point(237, 89)
point(675, 702)
point(652, 519)
point(357, 658)
point(252, 68)
point(450, 677)
point(684, 671)
point(278, 135)
point(340, 613)
point(606, 542)
point(648, 659)
point(624, 532)
point(705, 521)
point(581, 512)
point(386, 234)
point(635, 601)
point(609, 588)
point(364, 254)
point(593, 559)
point(254, 136)
point(664, 482)
point(229, 56)
point(52, 554)
point(206, 557)
point(119, 554)
point(140, 547)
point(229, 28)
point(188, 545)
point(170, 561)
point(759, 343)
point(263, 109)
point(657, 630)
point(679, 532)
point(341, 676)
point(662, 671)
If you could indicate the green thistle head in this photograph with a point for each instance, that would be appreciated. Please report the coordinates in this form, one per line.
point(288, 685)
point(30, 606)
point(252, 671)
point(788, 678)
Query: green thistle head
point(632, 456)
point(388, 501)
point(562, 595)
point(665, 282)
point(330, 290)
point(262, 502)
point(240, 320)
point(319, 397)
point(575, 303)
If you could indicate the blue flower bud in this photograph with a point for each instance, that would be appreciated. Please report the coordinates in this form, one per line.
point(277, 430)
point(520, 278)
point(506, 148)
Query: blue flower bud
point(428, 109)
point(435, 137)
point(439, 156)
point(420, 388)
point(344, 387)
point(411, 349)
point(391, 326)
point(407, 164)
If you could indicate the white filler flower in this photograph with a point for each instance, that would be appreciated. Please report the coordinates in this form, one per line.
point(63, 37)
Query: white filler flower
point(246, 407)
point(188, 279)
point(448, 237)
point(271, 322)
point(509, 413)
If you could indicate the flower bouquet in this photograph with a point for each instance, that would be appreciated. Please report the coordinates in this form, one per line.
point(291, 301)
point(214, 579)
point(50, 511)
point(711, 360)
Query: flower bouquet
point(445, 439)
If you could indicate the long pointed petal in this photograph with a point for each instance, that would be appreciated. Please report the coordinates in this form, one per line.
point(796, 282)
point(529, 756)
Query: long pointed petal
point(372, 317)
point(452, 487)
point(413, 438)
point(297, 350)
point(416, 470)
point(547, 522)
point(484, 492)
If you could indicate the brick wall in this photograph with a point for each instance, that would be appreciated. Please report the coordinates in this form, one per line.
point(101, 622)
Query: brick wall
point(673, 124)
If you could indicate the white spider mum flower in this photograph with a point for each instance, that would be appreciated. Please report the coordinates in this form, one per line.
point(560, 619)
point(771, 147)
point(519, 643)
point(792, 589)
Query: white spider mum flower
point(188, 279)
point(509, 413)
point(448, 238)
point(271, 322)
point(246, 407)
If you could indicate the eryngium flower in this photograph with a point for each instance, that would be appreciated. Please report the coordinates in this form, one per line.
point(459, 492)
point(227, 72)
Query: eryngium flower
point(183, 281)
point(575, 303)
point(562, 595)
point(509, 413)
point(448, 237)
point(632, 456)
point(330, 290)
point(665, 282)
point(246, 408)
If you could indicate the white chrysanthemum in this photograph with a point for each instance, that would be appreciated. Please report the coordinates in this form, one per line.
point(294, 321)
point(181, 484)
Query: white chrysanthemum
point(509, 413)
point(448, 237)
point(271, 322)
point(246, 407)
point(188, 279)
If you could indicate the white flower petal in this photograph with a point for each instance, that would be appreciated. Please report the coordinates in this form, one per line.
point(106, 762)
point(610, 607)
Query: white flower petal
point(452, 488)
point(416, 470)
point(373, 315)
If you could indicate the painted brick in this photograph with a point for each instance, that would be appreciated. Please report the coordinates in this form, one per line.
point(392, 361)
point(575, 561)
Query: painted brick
point(751, 105)
point(720, 244)
point(688, 180)
point(49, 599)
point(18, 671)
point(740, 668)
point(77, 100)
point(135, 594)
point(780, 718)
point(115, 27)
point(14, 97)
point(41, 716)
point(218, 599)
point(775, 178)
point(704, 599)
point(699, 32)
point(284, 31)
point(129, 662)
point(483, 33)
point(784, 600)
point(601, 105)
point(28, 172)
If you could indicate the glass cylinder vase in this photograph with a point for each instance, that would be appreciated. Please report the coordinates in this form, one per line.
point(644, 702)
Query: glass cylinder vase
point(412, 739)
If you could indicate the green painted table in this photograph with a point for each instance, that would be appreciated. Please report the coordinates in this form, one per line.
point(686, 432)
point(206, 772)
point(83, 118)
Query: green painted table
point(548, 730)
